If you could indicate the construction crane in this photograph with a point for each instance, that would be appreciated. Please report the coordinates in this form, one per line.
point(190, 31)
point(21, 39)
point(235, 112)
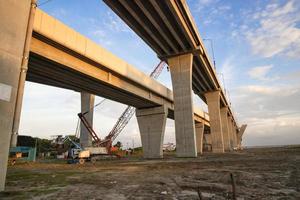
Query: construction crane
point(67, 138)
point(129, 111)
point(122, 121)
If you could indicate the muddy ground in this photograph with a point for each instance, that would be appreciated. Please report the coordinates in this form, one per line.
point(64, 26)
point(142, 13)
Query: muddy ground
point(261, 173)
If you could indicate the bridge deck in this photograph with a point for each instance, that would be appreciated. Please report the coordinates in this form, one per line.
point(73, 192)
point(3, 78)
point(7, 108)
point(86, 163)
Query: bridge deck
point(169, 29)
point(61, 57)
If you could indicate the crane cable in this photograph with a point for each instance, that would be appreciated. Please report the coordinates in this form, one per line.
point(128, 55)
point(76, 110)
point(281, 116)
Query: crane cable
point(92, 108)
point(43, 3)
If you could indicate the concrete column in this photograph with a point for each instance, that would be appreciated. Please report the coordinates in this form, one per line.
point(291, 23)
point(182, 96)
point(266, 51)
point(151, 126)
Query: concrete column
point(22, 77)
point(87, 104)
point(15, 34)
point(240, 136)
point(213, 103)
point(207, 141)
point(225, 129)
point(199, 136)
point(181, 74)
point(230, 131)
point(152, 123)
point(234, 132)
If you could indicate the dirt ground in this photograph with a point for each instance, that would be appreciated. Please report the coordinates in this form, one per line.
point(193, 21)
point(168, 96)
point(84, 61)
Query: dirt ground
point(260, 173)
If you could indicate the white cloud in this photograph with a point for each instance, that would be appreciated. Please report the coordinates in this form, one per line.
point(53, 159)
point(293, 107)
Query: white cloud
point(261, 72)
point(271, 112)
point(113, 23)
point(205, 2)
point(276, 131)
point(59, 13)
point(276, 32)
point(226, 74)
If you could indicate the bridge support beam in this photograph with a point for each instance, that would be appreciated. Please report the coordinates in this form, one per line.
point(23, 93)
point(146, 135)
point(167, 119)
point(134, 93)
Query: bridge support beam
point(152, 123)
point(225, 129)
point(87, 105)
point(213, 103)
point(15, 34)
point(181, 74)
point(199, 128)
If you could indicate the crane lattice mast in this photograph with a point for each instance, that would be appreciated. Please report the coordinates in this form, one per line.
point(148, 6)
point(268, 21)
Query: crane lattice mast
point(130, 110)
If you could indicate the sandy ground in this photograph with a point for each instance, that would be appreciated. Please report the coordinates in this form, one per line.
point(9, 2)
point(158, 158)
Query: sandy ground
point(265, 173)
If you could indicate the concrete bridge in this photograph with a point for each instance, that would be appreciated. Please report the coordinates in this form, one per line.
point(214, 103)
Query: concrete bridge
point(61, 57)
point(38, 48)
point(169, 29)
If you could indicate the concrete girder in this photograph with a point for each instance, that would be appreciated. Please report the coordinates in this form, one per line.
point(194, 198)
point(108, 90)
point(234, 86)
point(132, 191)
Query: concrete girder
point(63, 58)
point(152, 123)
point(172, 17)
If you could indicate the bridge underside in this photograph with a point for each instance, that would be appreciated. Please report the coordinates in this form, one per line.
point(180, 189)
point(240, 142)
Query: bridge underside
point(44, 71)
point(169, 33)
point(169, 29)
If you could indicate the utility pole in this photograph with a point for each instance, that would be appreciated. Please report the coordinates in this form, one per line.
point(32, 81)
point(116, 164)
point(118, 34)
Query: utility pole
point(132, 145)
point(212, 49)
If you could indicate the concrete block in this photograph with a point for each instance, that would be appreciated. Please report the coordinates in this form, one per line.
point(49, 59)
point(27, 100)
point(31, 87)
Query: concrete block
point(152, 123)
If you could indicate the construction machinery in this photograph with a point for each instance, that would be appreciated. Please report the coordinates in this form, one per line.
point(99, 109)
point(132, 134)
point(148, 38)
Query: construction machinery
point(120, 124)
point(78, 154)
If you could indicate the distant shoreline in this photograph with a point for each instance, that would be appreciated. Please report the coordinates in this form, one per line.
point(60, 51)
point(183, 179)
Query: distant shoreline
point(271, 146)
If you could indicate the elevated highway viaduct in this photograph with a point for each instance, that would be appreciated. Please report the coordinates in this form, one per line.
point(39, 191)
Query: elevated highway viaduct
point(169, 29)
point(61, 57)
point(39, 48)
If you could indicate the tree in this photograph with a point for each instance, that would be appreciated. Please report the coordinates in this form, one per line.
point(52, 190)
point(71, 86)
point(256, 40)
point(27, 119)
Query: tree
point(118, 144)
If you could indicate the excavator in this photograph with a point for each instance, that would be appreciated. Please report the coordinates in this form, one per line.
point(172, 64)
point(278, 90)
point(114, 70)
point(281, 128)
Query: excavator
point(104, 146)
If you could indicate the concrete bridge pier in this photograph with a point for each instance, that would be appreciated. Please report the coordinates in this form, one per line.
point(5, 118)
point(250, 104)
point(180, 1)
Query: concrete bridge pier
point(240, 136)
point(199, 128)
point(225, 129)
point(230, 132)
point(181, 73)
point(152, 123)
point(16, 18)
point(234, 134)
point(213, 103)
point(87, 105)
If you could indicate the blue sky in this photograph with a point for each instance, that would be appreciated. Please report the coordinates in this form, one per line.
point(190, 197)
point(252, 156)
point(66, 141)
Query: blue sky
point(257, 51)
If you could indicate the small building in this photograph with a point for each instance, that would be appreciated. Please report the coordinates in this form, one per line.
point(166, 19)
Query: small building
point(22, 153)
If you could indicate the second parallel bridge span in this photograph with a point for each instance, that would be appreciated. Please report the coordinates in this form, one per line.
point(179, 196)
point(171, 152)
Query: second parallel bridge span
point(61, 57)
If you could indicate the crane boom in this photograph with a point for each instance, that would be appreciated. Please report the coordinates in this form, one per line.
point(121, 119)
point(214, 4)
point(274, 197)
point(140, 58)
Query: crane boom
point(74, 143)
point(122, 121)
point(129, 111)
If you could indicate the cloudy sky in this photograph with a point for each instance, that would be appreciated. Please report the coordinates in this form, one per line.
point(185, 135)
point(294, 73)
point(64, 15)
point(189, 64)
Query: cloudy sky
point(257, 51)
